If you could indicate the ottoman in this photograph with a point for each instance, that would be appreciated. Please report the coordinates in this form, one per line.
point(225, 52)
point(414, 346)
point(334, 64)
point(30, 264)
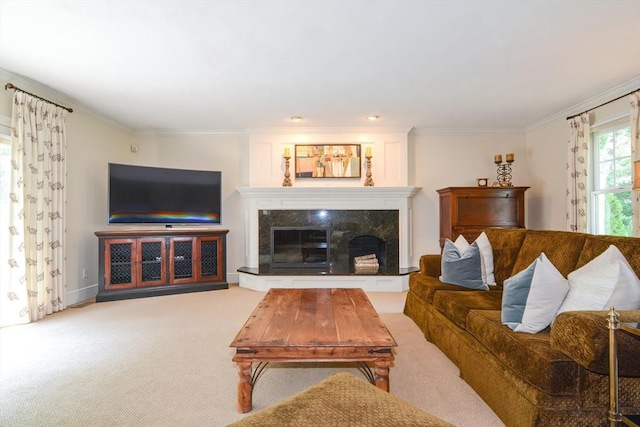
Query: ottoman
point(342, 400)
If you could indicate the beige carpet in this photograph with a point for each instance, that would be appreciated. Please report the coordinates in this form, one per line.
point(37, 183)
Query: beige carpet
point(166, 361)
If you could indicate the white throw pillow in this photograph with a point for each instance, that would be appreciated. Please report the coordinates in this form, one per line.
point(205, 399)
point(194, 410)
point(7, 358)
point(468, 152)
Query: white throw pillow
point(548, 290)
point(486, 251)
point(606, 281)
point(486, 254)
point(461, 243)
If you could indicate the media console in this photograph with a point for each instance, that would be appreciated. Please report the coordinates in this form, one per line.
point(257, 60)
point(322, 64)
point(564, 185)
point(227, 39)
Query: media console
point(142, 263)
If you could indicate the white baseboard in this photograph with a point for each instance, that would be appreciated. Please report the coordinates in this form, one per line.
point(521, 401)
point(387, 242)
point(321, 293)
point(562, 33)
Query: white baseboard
point(91, 291)
point(82, 294)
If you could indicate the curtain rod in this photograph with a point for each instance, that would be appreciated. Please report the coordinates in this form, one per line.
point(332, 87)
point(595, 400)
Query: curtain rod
point(12, 86)
point(603, 104)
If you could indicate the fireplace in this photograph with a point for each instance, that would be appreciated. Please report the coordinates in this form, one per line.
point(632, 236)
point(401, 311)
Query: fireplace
point(347, 213)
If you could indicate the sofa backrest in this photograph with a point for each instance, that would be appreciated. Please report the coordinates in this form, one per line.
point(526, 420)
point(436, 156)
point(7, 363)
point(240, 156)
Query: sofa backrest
point(514, 249)
point(506, 244)
point(595, 245)
point(563, 249)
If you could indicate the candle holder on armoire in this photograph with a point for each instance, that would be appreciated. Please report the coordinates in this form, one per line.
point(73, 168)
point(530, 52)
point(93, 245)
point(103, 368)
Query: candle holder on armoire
point(287, 180)
point(504, 169)
point(368, 182)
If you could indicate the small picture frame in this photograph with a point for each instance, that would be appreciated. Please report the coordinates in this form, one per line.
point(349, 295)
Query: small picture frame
point(328, 161)
point(483, 182)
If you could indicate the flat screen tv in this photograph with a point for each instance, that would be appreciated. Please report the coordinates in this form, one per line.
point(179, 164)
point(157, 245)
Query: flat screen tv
point(143, 194)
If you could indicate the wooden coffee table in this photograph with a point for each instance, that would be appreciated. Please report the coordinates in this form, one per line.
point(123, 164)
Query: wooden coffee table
point(320, 325)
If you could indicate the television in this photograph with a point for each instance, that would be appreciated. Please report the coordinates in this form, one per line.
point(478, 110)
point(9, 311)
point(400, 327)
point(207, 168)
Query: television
point(154, 195)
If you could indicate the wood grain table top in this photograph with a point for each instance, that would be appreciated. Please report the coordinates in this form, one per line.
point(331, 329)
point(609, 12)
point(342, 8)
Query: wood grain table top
point(314, 318)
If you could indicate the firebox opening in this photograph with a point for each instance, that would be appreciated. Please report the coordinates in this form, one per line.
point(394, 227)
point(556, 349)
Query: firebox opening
point(300, 247)
point(367, 245)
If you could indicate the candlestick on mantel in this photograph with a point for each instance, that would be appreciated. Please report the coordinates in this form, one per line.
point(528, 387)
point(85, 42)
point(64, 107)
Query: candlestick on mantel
point(368, 182)
point(287, 176)
point(504, 169)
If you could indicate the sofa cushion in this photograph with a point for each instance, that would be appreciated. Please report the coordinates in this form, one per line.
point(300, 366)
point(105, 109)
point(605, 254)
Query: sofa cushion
point(584, 336)
point(539, 291)
point(462, 266)
point(528, 355)
point(562, 248)
point(426, 286)
point(456, 305)
point(605, 281)
point(506, 243)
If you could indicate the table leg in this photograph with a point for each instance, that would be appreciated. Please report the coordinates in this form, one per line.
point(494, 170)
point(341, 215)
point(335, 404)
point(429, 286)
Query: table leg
point(244, 387)
point(381, 368)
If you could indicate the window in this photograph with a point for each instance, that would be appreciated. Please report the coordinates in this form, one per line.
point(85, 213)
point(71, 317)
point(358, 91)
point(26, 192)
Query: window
point(611, 207)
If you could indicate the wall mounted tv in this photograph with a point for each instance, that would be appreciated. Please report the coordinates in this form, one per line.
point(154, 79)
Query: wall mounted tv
point(143, 194)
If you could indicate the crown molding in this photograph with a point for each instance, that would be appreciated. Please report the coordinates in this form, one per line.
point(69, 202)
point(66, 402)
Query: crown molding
point(471, 131)
point(324, 130)
point(590, 103)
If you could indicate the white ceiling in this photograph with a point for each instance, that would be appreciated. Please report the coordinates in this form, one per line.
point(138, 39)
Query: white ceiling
point(241, 65)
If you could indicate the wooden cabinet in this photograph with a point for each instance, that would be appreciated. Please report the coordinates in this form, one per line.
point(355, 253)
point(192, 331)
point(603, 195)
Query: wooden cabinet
point(144, 263)
point(468, 211)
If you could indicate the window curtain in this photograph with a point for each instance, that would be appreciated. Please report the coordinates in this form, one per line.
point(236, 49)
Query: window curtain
point(577, 167)
point(37, 279)
point(635, 155)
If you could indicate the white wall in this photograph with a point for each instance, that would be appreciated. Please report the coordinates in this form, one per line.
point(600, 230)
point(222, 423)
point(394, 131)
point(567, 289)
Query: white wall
point(223, 152)
point(455, 160)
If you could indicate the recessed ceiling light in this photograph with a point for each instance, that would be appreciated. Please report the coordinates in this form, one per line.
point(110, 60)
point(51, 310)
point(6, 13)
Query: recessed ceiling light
point(296, 118)
point(374, 118)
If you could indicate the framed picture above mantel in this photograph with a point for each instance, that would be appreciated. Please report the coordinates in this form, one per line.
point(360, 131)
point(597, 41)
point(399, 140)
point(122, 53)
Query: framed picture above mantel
point(328, 161)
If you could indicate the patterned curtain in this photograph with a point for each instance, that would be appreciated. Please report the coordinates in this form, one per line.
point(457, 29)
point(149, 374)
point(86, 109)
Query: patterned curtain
point(577, 167)
point(36, 285)
point(635, 155)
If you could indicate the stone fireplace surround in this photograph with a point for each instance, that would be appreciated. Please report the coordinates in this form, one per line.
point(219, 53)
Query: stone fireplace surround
point(326, 198)
point(343, 225)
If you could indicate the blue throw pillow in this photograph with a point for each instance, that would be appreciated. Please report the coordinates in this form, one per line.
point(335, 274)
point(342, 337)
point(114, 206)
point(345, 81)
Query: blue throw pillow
point(531, 298)
point(462, 269)
point(514, 296)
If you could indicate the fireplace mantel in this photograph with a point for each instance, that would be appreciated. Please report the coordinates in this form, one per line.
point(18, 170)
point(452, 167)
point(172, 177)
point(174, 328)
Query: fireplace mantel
point(328, 197)
point(347, 198)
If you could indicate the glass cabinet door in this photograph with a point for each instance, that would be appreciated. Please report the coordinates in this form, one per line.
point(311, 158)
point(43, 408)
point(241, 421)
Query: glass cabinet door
point(151, 254)
point(209, 255)
point(120, 264)
point(182, 260)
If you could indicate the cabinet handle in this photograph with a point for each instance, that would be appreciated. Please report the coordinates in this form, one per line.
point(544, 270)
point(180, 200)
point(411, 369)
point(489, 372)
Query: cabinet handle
point(506, 196)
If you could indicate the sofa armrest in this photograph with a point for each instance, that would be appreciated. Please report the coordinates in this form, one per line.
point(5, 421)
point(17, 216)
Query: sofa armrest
point(584, 336)
point(431, 265)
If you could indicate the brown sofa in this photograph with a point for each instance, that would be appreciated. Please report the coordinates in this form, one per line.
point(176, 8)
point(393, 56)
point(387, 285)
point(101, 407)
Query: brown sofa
point(557, 377)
